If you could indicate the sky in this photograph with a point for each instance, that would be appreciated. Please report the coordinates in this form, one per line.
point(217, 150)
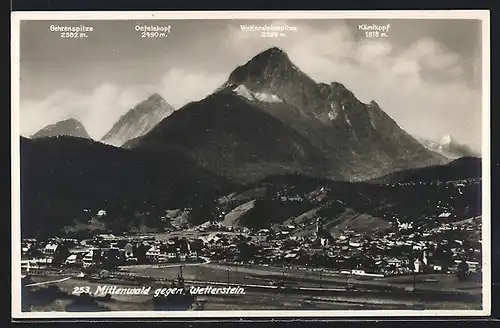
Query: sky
point(426, 74)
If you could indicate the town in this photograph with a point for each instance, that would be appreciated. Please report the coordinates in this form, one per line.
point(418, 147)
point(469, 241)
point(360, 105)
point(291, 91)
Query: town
point(438, 248)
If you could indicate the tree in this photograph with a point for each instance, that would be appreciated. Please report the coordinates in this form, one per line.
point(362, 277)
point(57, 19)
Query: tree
point(204, 211)
point(112, 260)
point(246, 251)
point(462, 271)
point(61, 254)
point(444, 255)
point(140, 251)
point(34, 252)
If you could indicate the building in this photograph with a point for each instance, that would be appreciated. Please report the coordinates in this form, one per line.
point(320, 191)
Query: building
point(25, 248)
point(153, 254)
point(27, 265)
point(112, 257)
point(193, 255)
point(72, 260)
point(163, 253)
point(106, 237)
point(323, 237)
point(50, 249)
point(418, 267)
point(473, 266)
point(57, 253)
point(93, 258)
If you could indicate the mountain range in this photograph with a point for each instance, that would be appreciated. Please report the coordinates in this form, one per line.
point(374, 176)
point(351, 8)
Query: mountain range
point(271, 118)
point(134, 123)
point(268, 127)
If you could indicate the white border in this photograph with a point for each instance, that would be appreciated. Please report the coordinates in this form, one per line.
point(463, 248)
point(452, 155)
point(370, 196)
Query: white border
point(482, 15)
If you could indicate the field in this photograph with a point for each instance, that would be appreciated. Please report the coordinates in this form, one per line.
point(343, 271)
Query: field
point(261, 274)
point(326, 291)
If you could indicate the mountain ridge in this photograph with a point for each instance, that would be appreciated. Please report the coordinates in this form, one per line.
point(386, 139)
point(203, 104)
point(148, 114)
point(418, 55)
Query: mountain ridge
point(464, 168)
point(366, 208)
point(359, 140)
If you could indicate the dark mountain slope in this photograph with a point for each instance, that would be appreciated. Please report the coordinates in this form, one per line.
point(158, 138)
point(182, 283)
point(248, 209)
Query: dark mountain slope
point(460, 169)
point(228, 135)
point(364, 207)
point(65, 180)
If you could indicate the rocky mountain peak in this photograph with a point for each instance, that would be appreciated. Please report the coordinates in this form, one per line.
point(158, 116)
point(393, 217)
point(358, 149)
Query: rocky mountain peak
point(68, 127)
point(155, 97)
point(153, 100)
point(138, 120)
point(273, 53)
point(269, 65)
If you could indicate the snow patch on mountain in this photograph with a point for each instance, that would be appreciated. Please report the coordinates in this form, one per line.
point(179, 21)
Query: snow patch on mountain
point(246, 93)
point(333, 112)
point(348, 121)
point(266, 97)
point(332, 115)
point(448, 147)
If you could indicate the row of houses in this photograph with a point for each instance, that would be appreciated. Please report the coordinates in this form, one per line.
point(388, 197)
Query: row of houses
point(165, 254)
point(109, 253)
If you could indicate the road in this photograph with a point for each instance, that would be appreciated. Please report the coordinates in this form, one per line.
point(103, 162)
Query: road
point(47, 282)
point(169, 265)
point(206, 261)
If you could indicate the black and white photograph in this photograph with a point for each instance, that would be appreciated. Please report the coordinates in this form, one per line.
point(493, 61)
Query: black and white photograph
point(270, 164)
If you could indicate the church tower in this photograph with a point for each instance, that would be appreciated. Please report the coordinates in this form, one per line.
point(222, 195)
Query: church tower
point(319, 226)
point(320, 233)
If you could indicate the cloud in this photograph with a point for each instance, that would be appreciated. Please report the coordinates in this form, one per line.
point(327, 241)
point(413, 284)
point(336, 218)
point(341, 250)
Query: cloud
point(97, 110)
point(180, 86)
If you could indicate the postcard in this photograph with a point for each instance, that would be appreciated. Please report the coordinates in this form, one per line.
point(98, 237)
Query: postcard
point(250, 164)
